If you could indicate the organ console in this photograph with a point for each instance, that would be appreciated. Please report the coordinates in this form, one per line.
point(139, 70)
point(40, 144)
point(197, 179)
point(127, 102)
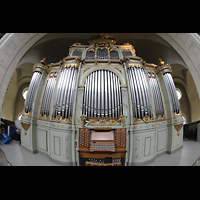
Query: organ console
point(102, 146)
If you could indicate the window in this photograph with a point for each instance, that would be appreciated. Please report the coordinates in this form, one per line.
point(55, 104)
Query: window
point(114, 55)
point(77, 52)
point(179, 93)
point(20, 116)
point(24, 93)
point(184, 119)
point(126, 52)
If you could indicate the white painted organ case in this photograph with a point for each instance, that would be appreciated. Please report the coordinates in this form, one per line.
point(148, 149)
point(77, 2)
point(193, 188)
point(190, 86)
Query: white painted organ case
point(104, 91)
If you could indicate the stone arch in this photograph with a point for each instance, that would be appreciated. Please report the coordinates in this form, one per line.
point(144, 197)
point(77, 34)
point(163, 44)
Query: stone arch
point(187, 45)
point(14, 45)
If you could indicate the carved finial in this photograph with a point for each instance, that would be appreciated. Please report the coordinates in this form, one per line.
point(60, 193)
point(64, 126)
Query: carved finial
point(161, 61)
point(43, 61)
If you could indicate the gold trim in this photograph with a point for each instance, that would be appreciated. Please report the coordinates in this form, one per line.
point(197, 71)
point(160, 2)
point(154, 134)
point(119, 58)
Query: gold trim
point(26, 127)
point(41, 65)
point(146, 119)
point(60, 119)
point(163, 67)
point(112, 122)
point(178, 128)
point(134, 65)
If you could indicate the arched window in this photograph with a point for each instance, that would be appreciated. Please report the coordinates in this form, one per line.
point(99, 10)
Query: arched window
point(114, 54)
point(24, 93)
point(77, 52)
point(19, 116)
point(179, 93)
point(90, 54)
point(126, 52)
point(102, 53)
point(184, 119)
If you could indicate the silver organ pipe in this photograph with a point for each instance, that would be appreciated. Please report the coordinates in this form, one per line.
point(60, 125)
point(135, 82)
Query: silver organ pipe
point(95, 96)
point(147, 93)
point(58, 89)
point(92, 95)
point(132, 91)
point(137, 93)
point(160, 102)
point(115, 96)
point(139, 89)
point(65, 91)
point(109, 96)
point(72, 95)
point(68, 93)
point(120, 98)
point(107, 93)
point(112, 96)
point(89, 95)
point(159, 108)
point(32, 90)
point(65, 82)
point(143, 97)
point(172, 90)
point(102, 94)
point(102, 53)
point(155, 97)
point(99, 98)
point(46, 101)
point(84, 101)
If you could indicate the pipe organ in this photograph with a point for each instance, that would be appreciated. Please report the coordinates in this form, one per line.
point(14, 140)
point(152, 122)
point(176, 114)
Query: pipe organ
point(102, 105)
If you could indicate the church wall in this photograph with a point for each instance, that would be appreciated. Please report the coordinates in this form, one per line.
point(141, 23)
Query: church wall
point(58, 139)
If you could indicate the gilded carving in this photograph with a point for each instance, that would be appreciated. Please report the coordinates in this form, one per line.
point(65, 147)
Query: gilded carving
point(178, 128)
point(26, 127)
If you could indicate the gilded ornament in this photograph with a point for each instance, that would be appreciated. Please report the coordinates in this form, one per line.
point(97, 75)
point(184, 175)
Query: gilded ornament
point(26, 127)
point(178, 128)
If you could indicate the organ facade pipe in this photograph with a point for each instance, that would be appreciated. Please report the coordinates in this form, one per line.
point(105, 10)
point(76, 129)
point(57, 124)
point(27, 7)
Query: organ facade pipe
point(39, 70)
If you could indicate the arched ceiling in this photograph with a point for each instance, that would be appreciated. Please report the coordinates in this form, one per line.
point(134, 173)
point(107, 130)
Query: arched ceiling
point(55, 46)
